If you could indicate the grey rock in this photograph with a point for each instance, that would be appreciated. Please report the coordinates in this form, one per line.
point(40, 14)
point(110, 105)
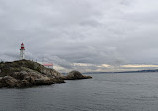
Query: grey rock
point(25, 73)
point(9, 81)
point(74, 75)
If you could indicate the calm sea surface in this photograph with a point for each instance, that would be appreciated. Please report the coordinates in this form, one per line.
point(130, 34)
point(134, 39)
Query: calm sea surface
point(105, 92)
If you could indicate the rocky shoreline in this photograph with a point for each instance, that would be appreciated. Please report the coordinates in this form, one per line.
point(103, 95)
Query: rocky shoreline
point(75, 75)
point(26, 73)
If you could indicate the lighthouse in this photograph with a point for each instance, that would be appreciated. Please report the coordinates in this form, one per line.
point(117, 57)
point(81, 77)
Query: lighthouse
point(22, 51)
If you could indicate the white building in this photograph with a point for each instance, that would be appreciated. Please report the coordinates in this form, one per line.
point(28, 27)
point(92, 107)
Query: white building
point(48, 65)
point(22, 52)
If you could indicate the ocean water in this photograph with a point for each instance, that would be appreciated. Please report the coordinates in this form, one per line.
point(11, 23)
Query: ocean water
point(105, 92)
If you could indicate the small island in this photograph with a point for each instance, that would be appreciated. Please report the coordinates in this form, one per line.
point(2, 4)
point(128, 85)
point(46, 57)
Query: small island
point(26, 73)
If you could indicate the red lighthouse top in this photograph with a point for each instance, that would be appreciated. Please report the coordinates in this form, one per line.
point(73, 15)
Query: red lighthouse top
point(22, 47)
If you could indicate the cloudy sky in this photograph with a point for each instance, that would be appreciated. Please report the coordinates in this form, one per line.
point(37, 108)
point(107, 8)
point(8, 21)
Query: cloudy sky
point(88, 35)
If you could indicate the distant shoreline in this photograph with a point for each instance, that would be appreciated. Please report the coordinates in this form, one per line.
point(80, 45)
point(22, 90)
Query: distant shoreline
point(139, 71)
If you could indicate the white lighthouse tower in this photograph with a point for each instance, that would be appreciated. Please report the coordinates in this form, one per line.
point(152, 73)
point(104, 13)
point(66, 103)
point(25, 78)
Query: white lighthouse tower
point(22, 52)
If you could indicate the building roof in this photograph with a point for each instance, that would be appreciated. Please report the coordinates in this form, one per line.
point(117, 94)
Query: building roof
point(47, 64)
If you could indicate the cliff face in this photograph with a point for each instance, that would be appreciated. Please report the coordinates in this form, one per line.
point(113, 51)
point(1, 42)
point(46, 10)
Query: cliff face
point(26, 73)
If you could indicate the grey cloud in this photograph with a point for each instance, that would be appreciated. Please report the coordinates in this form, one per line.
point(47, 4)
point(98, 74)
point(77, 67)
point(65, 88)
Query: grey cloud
point(86, 31)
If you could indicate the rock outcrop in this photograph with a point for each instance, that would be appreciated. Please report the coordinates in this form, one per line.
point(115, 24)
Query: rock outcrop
point(75, 75)
point(26, 73)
